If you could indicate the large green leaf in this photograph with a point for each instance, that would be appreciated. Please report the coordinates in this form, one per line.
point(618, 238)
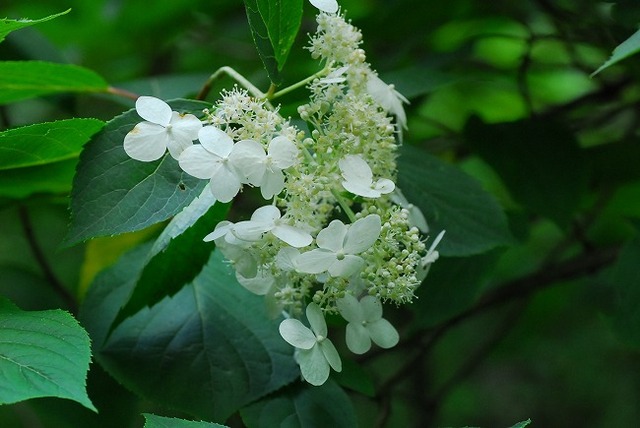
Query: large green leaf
point(539, 161)
point(452, 201)
point(51, 178)
point(21, 80)
point(178, 254)
point(303, 406)
point(624, 50)
point(42, 354)
point(208, 350)
point(113, 193)
point(153, 421)
point(9, 25)
point(274, 26)
point(45, 143)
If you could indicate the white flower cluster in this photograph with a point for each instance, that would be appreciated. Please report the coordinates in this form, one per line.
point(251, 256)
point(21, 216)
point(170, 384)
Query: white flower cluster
point(337, 235)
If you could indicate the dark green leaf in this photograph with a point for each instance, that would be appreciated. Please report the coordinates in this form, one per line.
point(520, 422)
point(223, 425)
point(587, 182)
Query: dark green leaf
point(208, 350)
point(113, 193)
point(624, 50)
point(614, 163)
point(9, 25)
point(624, 278)
point(274, 26)
point(539, 161)
point(453, 284)
point(302, 406)
point(21, 80)
point(42, 354)
point(452, 201)
point(45, 143)
point(50, 178)
point(153, 421)
point(178, 255)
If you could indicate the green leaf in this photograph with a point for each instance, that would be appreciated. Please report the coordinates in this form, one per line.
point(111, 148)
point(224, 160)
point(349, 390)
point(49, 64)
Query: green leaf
point(624, 278)
point(208, 350)
point(113, 193)
point(274, 26)
point(522, 424)
point(452, 201)
point(153, 421)
point(45, 143)
point(50, 178)
point(453, 285)
point(302, 406)
point(9, 25)
point(178, 255)
point(539, 161)
point(42, 354)
point(21, 80)
point(624, 50)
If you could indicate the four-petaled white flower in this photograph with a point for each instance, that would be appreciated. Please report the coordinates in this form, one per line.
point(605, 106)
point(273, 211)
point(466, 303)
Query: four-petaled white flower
point(338, 246)
point(163, 129)
point(388, 98)
point(211, 159)
point(358, 178)
point(431, 256)
point(234, 249)
point(314, 351)
point(328, 6)
point(265, 170)
point(268, 219)
point(366, 324)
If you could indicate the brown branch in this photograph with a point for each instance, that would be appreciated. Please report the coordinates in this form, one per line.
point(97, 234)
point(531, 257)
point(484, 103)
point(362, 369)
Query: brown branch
point(42, 261)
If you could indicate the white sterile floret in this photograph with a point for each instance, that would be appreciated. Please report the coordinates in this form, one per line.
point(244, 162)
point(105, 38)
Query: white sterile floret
point(338, 246)
point(366, 324)
point(315, 353)
point(336, 76)
point(163, 129)
point(416, 218)
point(431, 256)
point(265, 170)
point(358, 178)
point(211, 160)
point(328, 6)
point(268, 219)
point(388, 98)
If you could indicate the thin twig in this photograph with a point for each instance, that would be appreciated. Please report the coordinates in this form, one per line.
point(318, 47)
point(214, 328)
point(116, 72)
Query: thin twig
point(42, 261)
point(122, 93)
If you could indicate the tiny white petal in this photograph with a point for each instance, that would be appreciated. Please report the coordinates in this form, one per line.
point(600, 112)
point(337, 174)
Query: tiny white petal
point(332, 237)
point(220, 230)
point(266, 214)
point(154, 110)
point(248, 157)
point(350, 309)
point(292, 235)
point(316, 320)
point(362, 234)
point(296, 334)
point(357, 338)
point(314, 261)
point(272, 183)
point(285, 258)
point(355, 169)
point(346, 267)
point(328, 6)
point(283, 152)
point(146, 142)
point(361, 189)
point(371, 308)
point(215, 141)
point(313, 365)
point(260, 284)
point(383, 333)
point(224, 184)
point(199, 162)
point(331, 354)
point(384, 186)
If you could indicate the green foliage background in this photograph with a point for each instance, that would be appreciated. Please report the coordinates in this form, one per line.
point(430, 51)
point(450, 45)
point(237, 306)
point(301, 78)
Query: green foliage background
point(540, 322)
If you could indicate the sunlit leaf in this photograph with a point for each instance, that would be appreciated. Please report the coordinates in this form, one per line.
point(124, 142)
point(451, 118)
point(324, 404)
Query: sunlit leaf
point(21, 80)
point(42, 354)
point(629, 47)
point(9, 25)
point(45, 143)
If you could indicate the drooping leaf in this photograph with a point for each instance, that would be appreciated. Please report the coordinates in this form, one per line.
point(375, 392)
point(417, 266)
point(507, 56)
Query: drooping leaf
point(624, 50)
point(153, 421)
point(9, 25)
point(302, 406)
point(452, 201)
point(50, 178)
point(21, 80)
point(45, 143)
point(274, 26)
point(208, 350)
point(113, 193)
point(42, 354)
point(178, 254)
point(539, 161)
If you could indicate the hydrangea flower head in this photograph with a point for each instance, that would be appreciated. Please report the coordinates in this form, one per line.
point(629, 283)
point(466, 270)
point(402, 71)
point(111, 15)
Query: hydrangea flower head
point(358, 178)
point(314, 351)
point(211, 159)
point(338, 246)
point(366, 324)
point(163, 129)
